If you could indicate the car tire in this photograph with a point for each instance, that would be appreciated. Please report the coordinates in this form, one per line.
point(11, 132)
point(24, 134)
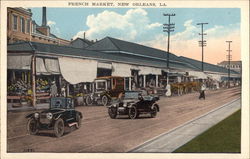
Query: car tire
point(132, 113)
point(59, 127)
point(88, 100)
point(105, 100)
point(79, 121)
point(112, 112)
point(153, 112)
point(137, 115)
point(32, 126)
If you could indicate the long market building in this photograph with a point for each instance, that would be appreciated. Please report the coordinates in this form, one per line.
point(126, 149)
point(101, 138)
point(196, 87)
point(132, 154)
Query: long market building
point(141, 66)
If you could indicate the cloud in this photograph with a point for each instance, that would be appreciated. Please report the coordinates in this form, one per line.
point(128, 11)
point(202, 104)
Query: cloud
point(51, 23)
point(185, 43)
point(129, 26)
point(55, 30)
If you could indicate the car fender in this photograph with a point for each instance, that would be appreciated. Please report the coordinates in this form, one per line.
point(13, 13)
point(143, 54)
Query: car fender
point(105, 94)
point(57, 116)
point(131, 105)
point(79, 114)
point(157, 106)
point(29, 115)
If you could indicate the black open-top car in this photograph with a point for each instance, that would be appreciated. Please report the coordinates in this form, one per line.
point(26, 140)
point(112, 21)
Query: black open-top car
point(133, 103)
point(60, 114)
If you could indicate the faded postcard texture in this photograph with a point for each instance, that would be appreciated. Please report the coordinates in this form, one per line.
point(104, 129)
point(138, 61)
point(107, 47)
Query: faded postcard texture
point(101, 79)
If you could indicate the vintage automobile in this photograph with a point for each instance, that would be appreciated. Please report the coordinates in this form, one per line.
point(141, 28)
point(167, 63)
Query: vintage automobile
point(60, 114)
point(105, 89)
point(133, 103)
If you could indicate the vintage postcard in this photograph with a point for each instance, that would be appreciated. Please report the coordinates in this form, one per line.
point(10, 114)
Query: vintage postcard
point(125, 79)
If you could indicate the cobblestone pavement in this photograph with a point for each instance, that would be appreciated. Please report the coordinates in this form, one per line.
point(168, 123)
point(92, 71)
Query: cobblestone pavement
point(99, 133)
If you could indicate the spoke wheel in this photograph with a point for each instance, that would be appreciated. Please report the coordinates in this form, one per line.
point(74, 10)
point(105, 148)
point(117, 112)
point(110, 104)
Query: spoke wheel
point(112, 112)
point(105, 100)
point(88, 100)
point(132, 112)
point(59, 127)
point(153, 111)
point(32, 126)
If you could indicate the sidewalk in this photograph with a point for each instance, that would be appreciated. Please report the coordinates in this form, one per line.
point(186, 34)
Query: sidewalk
point(170, 141)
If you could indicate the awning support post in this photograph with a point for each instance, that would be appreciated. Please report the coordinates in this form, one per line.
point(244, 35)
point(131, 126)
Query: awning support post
point(156, 80)
point(144, 81)
point(34, 80)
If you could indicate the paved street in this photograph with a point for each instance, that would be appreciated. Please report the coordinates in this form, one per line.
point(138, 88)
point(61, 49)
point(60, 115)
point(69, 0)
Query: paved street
point(99, 133)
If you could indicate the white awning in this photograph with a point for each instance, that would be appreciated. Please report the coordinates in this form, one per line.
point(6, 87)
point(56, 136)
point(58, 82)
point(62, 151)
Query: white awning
point(20, 62)
point(40, 67)
point(105, 65)
point(149, 70)
point(52, 66)
point(76, 70)
point(197, 74)
point(123, 70)
point(215, 77)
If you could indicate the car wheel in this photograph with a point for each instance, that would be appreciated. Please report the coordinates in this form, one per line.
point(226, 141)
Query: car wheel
point(88, 100)
point(59, 127)
point(138, 114)
point(105, 100)
point(112, 112)
point(79, 121)
point(32, 126)
point(132, 112)
point(153, 111)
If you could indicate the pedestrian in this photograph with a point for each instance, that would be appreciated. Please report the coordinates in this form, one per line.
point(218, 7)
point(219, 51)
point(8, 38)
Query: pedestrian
point(53, 89)
point(202, 91)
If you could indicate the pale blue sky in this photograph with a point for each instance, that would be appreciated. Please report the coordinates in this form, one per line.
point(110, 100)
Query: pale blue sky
point(144, 26)
point(70, 21)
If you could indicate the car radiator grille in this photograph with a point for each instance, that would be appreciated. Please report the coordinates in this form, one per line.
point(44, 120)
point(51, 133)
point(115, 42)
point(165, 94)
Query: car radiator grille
point(44, 119)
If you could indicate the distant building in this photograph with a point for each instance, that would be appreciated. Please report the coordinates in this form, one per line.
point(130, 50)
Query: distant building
point(234, 65)
point(81, 43)
point(21, 27)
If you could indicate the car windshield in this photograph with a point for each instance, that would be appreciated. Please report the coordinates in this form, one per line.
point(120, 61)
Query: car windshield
point(100, 85)
point(61, 103)
point(131, 95)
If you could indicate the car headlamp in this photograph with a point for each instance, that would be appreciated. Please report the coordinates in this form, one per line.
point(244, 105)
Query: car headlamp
point(49, 116)
point(98, 95)
point(36, 115)
point(125, 104)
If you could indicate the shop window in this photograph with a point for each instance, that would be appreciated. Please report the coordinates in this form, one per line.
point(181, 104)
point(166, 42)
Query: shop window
point(14, 22)
point(34, 28)
point(22, 25)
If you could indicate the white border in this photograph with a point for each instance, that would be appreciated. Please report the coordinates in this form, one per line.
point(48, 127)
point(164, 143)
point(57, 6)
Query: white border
point(243, 5)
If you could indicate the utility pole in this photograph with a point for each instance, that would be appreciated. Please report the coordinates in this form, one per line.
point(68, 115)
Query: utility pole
point(169, 27)
point(229, 57)
point(202, 44)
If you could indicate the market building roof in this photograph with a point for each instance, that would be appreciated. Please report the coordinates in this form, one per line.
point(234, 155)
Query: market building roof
point(207, 67)
point(116, 46)
point(49, 49)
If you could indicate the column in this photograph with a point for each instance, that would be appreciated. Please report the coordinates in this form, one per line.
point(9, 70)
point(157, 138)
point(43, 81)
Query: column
point(67, 94)
point(34, 80)
point(129, 83)
point(156, 80)
point(144, 81)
